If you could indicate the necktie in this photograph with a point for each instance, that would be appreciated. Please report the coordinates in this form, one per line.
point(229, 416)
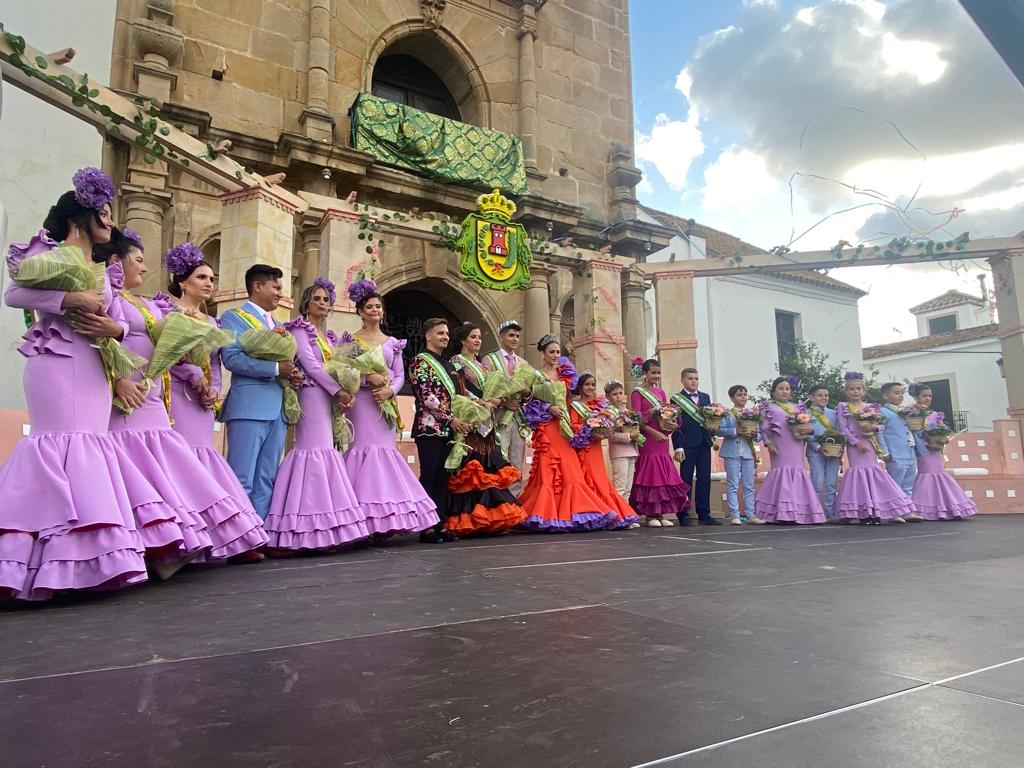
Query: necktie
point(510, 363)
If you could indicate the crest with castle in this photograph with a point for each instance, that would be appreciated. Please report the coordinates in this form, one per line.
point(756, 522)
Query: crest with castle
point(493, 250)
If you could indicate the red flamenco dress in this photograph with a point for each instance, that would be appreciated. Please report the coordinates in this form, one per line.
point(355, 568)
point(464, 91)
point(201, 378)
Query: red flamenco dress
point(479, 498)
point(556, 497)
point(591, 457)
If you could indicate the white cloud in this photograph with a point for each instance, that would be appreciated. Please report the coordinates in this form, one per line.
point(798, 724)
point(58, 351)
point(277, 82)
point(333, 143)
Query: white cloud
point(684, 82)
point(918, 58)
point(671, 147)
point(737, 178)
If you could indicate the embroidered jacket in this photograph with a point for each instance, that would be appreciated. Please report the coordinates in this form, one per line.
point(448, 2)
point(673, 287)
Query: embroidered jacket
point(433, 396)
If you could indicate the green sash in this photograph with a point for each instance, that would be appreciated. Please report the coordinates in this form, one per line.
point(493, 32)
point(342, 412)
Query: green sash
point(686, 404)
point(650, 397)
point(822, 418)
point(438, 369)
point(461, 361)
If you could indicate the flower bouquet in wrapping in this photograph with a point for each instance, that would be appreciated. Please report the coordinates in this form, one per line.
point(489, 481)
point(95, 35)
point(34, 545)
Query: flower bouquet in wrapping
point(181, 337)
point(348, 379)
point(277, 346)
point(500, 385)
point(474, 413)
point(601, 421)
point(936, 431)
point(554, 393)
point(799, 423)
point(372, 361)
point(631, 422)
point(713, 415)
point(66, 269)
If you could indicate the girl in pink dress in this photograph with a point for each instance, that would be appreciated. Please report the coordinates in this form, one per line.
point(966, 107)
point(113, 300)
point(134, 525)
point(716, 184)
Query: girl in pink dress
point(658, 491)
point(66, 521)
point(937, 496)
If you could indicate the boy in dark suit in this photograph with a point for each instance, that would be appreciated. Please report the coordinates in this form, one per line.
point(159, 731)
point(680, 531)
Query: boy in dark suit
point(692, 445)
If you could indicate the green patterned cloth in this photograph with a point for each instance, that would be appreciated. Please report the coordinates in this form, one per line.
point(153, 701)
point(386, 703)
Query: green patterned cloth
point(438, 148)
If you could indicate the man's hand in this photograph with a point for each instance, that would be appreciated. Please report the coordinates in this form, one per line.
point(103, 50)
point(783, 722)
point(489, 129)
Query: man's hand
point(295, 379)
point(679, 455)
point(286, 368)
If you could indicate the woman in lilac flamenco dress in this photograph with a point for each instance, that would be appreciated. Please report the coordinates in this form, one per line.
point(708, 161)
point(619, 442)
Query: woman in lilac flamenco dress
point(658, 491)
point(867, 493)
point(787, 494)
point(389, 494)
point(192, 516)
point(66, 520)
point(314, 506)
point(195, 393)
point(937, 496)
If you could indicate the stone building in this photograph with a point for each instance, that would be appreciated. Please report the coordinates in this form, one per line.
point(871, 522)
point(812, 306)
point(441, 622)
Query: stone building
point(274, 83)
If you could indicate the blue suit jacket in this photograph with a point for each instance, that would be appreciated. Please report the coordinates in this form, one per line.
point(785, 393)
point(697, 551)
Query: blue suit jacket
point(896, 436)
point(814, 441)
point(691, 434)
point(255, 393)
point(733, 446)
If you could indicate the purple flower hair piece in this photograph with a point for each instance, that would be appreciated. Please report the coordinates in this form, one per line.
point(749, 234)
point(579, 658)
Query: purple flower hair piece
point(327, 285)
point(853, 376)
point(182, 259)
point(93, 188)
point(794, 381)
point(360, 289)
point(130, 234)
point(41, 242)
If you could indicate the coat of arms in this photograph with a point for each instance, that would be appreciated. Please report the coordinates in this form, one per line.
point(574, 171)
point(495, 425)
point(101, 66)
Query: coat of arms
point(494, 251)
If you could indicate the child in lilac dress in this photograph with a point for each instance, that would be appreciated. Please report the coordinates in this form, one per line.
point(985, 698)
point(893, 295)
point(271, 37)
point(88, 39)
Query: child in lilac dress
point(937, 496)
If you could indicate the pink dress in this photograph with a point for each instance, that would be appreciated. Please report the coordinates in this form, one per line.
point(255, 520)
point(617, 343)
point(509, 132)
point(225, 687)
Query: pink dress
point(787, 494)
point(937, 496)
point(66, 520)
point(314, 505)
point(658, 490)
point(389, 493)
point(866, 490)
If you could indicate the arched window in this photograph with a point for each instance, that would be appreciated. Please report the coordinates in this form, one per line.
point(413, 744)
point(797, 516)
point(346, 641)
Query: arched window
point(406, 80)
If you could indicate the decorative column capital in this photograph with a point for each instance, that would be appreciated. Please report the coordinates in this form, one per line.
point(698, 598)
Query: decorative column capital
point(433, 12)
point(134, 193)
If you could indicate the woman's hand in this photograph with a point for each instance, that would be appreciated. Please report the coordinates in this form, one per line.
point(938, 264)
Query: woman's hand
point(661, 437)
point(557, 412)
point(90, 302)
point(771, 449)
point(862, 448)
point(460, 426)
point(633, 432)
point(493, 402)
point(95, 325)
point(131, 392)
point(383, 394)
point(376, 381)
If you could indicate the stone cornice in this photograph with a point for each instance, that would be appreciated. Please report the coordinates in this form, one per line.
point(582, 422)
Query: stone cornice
point(259, 193)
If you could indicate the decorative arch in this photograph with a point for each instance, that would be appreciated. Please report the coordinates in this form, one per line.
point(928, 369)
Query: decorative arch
point(445, 54)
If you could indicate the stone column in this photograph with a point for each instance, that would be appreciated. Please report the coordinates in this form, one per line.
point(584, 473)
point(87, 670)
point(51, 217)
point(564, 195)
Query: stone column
point(315, 118)
point(257, 227)
point(634, 322)
point(528, 81)
point(342, 254)
point(598, 318)
point(677, 336)
point(536, 312)
point(144, 212)
point(309, 267)
point(1008, 281)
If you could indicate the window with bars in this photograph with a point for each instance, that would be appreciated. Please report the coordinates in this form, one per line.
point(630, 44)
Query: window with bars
point(787, 333)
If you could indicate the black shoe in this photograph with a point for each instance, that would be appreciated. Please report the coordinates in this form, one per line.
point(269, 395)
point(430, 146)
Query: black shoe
point(430, 537)
point(709, 521)
point(448, 536)
point(686, 521)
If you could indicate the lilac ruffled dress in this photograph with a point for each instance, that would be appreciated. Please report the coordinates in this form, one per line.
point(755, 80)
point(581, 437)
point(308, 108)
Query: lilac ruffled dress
point(314, 505)
point(242, 530)
point(937, 496)
point(866, 490)
point(180, 509)
point(389, 493)
point(65, 520)
point(787, 494)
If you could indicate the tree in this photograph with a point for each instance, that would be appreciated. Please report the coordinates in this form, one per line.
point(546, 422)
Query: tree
point(814, 368)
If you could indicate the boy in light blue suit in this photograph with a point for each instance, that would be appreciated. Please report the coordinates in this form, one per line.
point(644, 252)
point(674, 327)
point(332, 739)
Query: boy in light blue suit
point(824, 469)
point(252, 409)
point(741, 461)
point(901, 445)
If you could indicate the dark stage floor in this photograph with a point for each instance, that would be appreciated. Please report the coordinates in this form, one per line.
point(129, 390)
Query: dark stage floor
point(890, 646)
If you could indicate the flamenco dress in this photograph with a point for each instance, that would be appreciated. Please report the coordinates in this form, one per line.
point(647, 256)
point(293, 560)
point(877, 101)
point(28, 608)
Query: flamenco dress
point(937, 496)
point(658, 490)
point(66, 521)
point(591, 459)
point(314, 505)
point(787, 494)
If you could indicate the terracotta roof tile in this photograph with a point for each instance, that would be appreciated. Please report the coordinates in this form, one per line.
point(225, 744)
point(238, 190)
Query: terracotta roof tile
point(935, 341)
point(951, 298)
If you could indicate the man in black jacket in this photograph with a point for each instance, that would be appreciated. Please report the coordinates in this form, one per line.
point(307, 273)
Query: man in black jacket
point(692, 445)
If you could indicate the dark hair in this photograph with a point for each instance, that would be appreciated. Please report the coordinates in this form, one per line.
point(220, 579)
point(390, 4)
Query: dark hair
point(461, 334)
point(888, 387)
point(431, 323)
point(307, 296)
point(174, 287)
point(372, 295)
point(612, 385)
point(689, 370)
point(119, 247)
point(816, 387)
point(916, 389)
point(776, 382)
point(260, 273)
point(546, 341)
point(651, 362)
point(68, 208)
point(510, 326)
point(736, 389)
point(580, 381)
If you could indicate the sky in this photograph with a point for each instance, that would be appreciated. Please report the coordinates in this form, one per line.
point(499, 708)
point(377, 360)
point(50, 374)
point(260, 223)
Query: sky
point(771, 119)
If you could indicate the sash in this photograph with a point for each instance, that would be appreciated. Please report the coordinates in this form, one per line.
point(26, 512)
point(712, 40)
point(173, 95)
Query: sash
point(438, 368)
point(748, 438)
point(822, 419)
point(911, 441)
point(686, 404)
point(150, 320)
point(325, 348)
point(251, 320)
point(874, 437)
point(650, 397)
point(580, 408)
point(498, 362)
point(467, 362)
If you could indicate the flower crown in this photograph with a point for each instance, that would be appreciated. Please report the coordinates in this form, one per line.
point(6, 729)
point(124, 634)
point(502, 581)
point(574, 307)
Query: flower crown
point(327, 285)
point(134, 237)
point(853, 376)
point(93, 188)
point(636, 367)
point(182, 259)
point(794, 381)
point(360, 289)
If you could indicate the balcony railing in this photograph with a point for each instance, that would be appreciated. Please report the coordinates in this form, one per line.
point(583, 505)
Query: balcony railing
point(440, 149)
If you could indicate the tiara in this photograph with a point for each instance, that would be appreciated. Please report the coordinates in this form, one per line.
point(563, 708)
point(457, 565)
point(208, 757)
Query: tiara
point(506, 324)
point(546, 339)
point(611, 384)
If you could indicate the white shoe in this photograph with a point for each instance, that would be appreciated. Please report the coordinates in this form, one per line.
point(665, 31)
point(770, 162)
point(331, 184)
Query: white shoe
point(666, 523)
point(634, 525)
point(735, 521)
point(755, 521)
point(899, 520)
point(653, 522)
point(913, 517)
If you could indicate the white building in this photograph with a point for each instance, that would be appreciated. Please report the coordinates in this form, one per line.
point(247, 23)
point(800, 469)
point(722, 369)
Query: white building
point(746, 323)
point(956, 353)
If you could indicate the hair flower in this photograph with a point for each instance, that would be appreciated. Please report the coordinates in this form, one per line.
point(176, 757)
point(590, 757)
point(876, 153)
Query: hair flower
point(328, 286)
point(360, 289)
point(182, 259)
point(93, 188)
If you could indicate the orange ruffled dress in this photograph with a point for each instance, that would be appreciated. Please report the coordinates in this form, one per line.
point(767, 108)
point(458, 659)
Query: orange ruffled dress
point(595, 472)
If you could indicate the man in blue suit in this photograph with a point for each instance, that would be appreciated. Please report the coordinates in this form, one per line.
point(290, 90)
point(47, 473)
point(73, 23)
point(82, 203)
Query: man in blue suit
point(901, 463)
point(692, 445)
point(252, 409)
point(824, 469)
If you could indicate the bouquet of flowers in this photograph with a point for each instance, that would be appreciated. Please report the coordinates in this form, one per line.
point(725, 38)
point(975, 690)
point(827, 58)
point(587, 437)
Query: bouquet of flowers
point(936, 431)
point(799, 422)
point(713, 415)
point(474, 413)
point(178, 337)
point(348, 379)
point(915, 416)
point(869, 417)
point(630, 421)
point(602, 421)
point(832, 443)
point(668, 418)
point(372, 361)
point(749, 421)
point(277, 346)
point(550, 393)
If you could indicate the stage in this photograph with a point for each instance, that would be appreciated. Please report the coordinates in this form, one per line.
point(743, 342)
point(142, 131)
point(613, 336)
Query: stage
point(785, 647)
